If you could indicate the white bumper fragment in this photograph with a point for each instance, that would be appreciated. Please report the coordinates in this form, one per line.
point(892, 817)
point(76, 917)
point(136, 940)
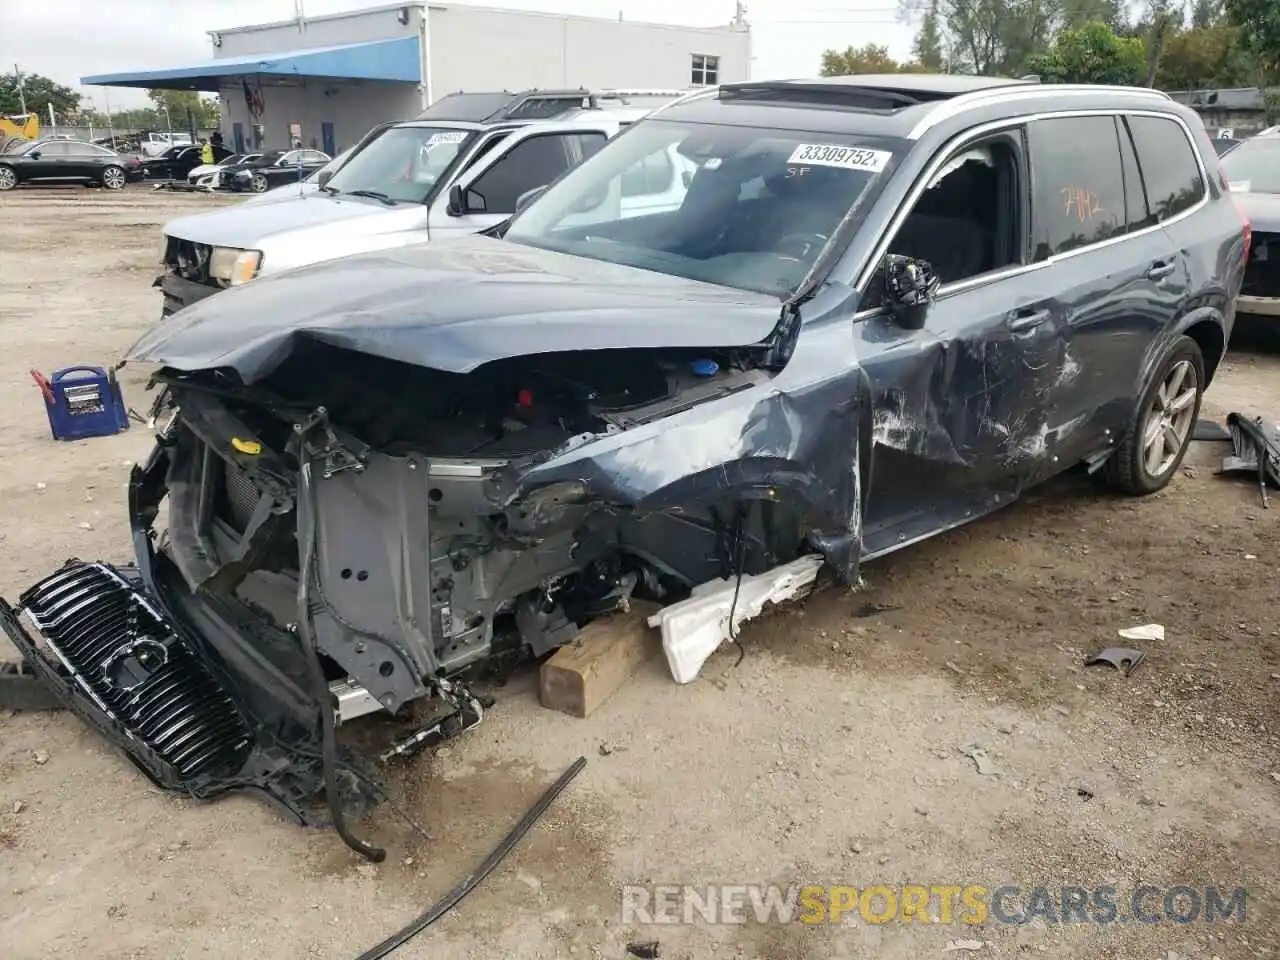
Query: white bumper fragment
point(692, 629)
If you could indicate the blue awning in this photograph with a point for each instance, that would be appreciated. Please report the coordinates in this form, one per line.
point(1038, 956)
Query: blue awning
point(390, 60)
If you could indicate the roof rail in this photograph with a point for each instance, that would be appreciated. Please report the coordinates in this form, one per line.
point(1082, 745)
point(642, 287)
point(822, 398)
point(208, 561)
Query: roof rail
point(978, 98)
point(699, 94)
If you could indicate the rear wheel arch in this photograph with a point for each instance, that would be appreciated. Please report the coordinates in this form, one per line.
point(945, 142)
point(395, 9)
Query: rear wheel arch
point(1209, 335)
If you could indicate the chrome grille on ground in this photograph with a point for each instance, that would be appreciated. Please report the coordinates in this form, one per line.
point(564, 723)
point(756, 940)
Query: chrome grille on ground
point(138, 670)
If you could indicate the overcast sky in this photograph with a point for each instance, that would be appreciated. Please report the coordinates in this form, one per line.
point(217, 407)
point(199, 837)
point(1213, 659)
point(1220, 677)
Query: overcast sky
point(68, 39)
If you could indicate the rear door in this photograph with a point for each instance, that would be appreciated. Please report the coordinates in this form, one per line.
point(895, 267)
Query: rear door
point(1112, 274)
point(526, 159)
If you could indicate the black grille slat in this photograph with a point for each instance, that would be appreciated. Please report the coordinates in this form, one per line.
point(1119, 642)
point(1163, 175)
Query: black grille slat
point(139, 669)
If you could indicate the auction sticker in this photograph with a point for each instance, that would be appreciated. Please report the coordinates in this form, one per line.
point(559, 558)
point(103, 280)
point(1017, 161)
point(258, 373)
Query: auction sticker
point(452, 137)
point(847, 158)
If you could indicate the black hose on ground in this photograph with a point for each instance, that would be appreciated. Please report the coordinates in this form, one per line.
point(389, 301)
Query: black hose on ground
point(487, 866)
point(329, 738)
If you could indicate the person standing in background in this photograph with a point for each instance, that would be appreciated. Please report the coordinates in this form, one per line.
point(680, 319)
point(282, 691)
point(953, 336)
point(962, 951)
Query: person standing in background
point(206, 152)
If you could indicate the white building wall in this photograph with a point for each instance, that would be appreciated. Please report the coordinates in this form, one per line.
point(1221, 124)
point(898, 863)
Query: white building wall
point(358, 27)
point(352, 108)
point(470, 48)
point(478, 48)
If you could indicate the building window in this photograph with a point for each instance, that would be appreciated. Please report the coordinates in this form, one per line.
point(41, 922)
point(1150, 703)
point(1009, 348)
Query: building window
point(706, 70)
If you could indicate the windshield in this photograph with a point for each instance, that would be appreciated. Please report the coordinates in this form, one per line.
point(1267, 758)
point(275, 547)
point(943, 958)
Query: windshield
point(1254, 166)
point(403, 164)
point(743, 207)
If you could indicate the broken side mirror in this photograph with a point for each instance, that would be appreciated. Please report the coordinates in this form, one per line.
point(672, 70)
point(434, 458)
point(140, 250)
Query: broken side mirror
point(529, 196)
point(910, 287)
point(323, 178)
point(34, 154)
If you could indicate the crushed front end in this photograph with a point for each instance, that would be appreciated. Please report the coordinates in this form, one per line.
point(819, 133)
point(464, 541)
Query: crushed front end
point(402, 529)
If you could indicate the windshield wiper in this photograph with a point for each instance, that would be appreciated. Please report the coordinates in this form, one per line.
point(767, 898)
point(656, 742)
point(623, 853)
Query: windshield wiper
point(328, 189)
point(372, 193)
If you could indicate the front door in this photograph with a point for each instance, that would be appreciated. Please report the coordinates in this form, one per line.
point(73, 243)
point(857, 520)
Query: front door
point(491, 187)
point(961, 417)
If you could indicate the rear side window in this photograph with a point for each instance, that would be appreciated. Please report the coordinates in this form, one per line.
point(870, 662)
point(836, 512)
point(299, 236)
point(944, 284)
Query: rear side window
point(1077, 184)
point(1169, 167)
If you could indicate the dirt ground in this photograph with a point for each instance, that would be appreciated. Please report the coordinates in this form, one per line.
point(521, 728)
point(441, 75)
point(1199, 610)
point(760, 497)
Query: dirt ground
point(829, 756)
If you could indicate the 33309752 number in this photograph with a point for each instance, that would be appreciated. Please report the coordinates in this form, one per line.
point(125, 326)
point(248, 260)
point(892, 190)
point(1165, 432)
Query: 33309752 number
point(835, 155)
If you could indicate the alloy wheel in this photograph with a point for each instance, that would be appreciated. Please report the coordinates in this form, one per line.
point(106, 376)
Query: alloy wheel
point(1169, 418)
point(8, 179)
point(113, 178)
point(259, 183)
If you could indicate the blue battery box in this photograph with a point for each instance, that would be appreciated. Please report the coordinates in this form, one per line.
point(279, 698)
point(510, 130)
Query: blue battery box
point(83, 402)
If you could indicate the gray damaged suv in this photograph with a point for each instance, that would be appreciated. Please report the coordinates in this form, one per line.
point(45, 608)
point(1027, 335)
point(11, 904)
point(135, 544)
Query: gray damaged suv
point(882, 307)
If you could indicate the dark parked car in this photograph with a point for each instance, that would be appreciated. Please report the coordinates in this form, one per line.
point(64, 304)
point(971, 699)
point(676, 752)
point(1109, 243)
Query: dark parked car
point(275, 168)
point(883, 307)
point(1224, 145)
point(1253, 170)
point(54, 161)
point(176, 162)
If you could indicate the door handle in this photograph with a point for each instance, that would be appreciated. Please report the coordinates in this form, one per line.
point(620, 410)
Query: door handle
point(1027, 319)
point(1161, 269)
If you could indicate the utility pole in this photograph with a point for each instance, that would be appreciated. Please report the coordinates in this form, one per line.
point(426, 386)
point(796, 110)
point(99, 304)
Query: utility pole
point(22, 97)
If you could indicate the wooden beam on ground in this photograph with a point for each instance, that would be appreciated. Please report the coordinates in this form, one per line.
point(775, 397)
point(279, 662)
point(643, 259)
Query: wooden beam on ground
point(583, 674)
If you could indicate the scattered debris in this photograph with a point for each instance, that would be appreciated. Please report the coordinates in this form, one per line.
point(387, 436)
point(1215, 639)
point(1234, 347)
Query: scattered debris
point(692, 629)
point(1062, 709)
point(605, 750)
point(954, 945)
point(40, 757)
point(85, 525)
point(1124, 659)
point(954, 669)
point(645, 950)
point(981, 760)
point(1276, 777)
point(1255, 448)
point(1150, 632)
point(1084, 792)
point(18, 806)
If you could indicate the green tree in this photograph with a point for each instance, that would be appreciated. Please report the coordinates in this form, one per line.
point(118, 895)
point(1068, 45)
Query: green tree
point(992, 37)
point(871, 58)
point(179, 103)
point(1163, 19)
point(38, 92)
point(927, 47)
point(1091, 54)
point(1259, 23)
point(1205, 13)
point(1205, 57)
point(1076, 13)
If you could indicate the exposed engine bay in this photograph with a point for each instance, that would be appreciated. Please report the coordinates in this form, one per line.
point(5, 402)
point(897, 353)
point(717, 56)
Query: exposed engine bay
point(352, 533)
point(420, 570)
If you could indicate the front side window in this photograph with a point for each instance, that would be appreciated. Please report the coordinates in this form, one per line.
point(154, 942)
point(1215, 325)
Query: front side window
point(1077, 184)
point(759, 208)
point(706, 70)
point(532, 163)
point(1254, 166)
point(54, 148)
point(1170, 170)
point(403, 164)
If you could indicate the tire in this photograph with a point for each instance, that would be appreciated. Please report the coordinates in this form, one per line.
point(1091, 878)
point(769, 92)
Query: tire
point(113, 178)
point(1135, 468)
point(8, 177)
point(259, 183)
